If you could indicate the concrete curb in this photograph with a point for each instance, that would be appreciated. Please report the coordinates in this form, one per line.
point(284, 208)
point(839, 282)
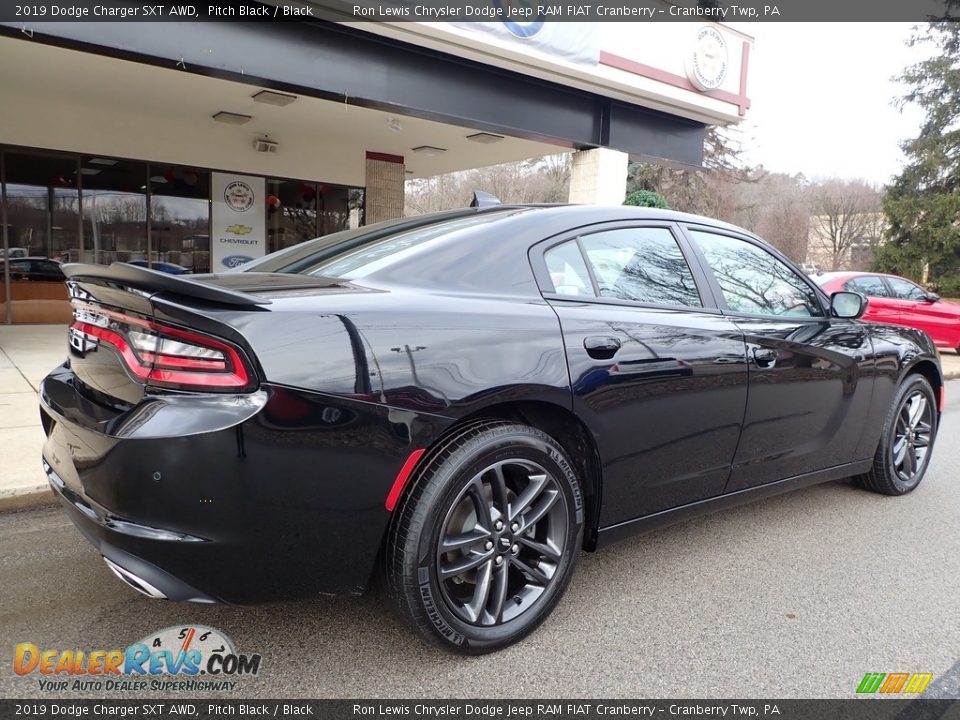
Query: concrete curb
point(26, 498)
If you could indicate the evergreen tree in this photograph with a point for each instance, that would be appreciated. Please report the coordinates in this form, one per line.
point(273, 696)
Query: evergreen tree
point(922, 206)
point(646, 198)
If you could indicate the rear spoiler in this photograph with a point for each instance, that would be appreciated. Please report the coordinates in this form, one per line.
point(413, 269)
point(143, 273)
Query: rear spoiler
point(154, 281)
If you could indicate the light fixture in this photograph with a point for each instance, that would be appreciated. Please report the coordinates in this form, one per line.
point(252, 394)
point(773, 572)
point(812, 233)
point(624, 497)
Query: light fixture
point(232, 118)
point(89, 171)
point(395, 125)
point(429, 150)
point(273, 98)
point(265, 145)
point(485, 138)
point(102, 161)
point(158, 179)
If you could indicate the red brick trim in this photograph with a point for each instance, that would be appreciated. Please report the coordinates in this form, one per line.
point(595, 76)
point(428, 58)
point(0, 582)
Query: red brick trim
point(385, 157)
point(631, 66)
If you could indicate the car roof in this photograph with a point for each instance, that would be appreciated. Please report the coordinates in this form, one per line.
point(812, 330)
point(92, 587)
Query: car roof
point(629, 212)
point(860, 273)
point(489, 256)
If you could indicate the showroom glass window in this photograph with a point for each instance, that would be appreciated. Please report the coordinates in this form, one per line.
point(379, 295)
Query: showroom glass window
point(340, 208)
point(753, 281)
point(291, 213)
point(43, 217)
point(114, 211)
point(179, 218)
point(298, 211)
point(643, 265)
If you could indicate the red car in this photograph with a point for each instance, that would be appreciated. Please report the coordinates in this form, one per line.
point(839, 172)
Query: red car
point(898, 301)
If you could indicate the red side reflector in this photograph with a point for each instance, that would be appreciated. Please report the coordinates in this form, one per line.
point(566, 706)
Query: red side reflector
point(405, 472)
point(943, 397)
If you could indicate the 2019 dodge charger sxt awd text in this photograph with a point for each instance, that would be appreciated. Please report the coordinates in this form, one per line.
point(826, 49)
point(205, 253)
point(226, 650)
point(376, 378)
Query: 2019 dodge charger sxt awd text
point(463, 401)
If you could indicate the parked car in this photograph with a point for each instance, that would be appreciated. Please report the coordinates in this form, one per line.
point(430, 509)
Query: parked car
point(462, 402)
point(898, 301)
point(33, 268)
point(14, 252)
point(167, 267)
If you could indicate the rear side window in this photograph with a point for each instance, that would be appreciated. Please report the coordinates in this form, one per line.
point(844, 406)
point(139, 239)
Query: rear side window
point(568, 272)
point(869, 286)
point(754, 281)
point(643, 265)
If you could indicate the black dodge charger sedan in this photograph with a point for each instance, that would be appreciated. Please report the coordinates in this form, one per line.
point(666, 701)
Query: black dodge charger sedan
point(460, 403)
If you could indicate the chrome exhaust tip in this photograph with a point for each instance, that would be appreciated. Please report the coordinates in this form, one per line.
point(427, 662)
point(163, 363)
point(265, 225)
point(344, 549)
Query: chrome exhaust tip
point(137, 583)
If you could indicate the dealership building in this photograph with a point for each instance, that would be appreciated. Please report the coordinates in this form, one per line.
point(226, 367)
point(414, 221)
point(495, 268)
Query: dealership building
point(199, 145)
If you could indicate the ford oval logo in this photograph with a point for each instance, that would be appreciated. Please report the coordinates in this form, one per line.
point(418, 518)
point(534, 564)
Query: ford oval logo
point(232, 261)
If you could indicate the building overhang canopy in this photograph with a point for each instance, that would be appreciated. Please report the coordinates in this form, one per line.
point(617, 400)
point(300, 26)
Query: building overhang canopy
point(356, 69)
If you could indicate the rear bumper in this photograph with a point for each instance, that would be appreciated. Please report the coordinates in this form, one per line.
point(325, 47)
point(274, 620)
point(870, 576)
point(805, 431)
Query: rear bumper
point(106, 532)
point(286, 501)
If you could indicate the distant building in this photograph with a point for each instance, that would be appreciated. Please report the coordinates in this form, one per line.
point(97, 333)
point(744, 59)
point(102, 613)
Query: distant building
point(838, 242)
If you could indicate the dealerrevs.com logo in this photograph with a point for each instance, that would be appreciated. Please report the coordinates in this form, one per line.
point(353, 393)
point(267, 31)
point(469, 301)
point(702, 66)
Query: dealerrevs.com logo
point(178, 658)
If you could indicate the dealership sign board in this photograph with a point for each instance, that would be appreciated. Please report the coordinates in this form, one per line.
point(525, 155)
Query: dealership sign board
point(239, 220)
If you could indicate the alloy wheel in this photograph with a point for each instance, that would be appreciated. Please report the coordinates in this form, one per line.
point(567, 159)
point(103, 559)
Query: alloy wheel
point(912, 437)
point(501, 542)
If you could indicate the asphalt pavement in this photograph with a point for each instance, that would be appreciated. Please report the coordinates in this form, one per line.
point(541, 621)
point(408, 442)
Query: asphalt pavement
point(796, 596)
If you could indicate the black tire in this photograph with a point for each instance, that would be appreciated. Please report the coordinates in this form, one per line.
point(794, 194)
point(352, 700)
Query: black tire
point(888, 476)
point(457, 497)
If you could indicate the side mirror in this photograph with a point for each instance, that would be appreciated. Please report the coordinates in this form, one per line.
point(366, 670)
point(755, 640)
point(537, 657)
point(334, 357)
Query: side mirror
point(931, 297)
point(849, 305)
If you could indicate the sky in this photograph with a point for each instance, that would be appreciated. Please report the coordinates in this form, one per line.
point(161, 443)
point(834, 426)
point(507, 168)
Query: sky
point(821, 98)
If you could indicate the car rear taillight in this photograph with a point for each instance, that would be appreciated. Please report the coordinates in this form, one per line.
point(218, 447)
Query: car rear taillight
point(166, 356)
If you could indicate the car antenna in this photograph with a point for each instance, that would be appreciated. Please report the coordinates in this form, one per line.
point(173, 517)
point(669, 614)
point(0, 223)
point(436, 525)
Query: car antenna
point(483, 199)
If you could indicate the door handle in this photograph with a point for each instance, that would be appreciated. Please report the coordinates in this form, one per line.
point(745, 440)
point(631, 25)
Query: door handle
point(601, 347)
point(765, 357)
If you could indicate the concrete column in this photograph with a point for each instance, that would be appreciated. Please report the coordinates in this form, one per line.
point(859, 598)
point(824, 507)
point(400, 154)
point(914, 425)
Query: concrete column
point(384, 196)
point(598, 177)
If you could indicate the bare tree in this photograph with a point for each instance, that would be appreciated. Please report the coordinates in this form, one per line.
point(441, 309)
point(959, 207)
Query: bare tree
point(775, 208)
point(844, 214)
point(538, 180)
point(709, 190)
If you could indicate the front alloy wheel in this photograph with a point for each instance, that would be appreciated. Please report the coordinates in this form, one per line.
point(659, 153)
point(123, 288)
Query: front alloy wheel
point(483, 545)
point(908, 434)
point(913, 436)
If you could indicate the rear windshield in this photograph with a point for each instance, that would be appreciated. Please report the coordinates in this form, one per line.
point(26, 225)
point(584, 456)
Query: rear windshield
point(354, 254)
